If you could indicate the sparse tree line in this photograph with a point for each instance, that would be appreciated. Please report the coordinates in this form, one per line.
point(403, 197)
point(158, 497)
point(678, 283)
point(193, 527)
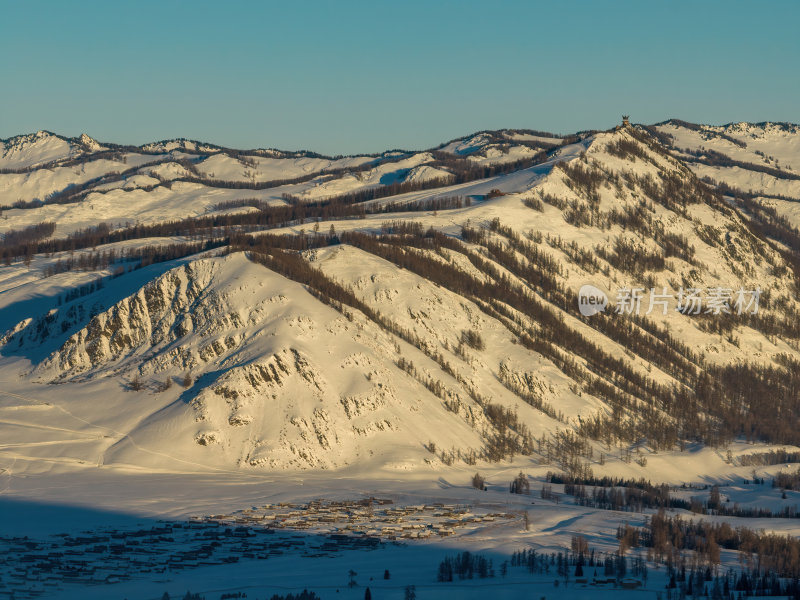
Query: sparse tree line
point(576, 254)
point(28, 235)
point(432, 204)
point(770, 457)
point(141, 257)
point(563, 565)
point(81, 291)
point(32, 240)
point(512, 384)
point(787, 480)
point(713, 158)
point(578, 561)
point(211, 226)
point(766, 554)
point(639, 495)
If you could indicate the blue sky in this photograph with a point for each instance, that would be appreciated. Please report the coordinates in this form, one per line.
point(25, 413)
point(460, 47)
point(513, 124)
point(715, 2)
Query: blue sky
point(346, 77)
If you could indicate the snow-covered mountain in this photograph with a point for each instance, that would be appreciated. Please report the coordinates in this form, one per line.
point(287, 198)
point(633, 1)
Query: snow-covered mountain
point(188, 330)
point(78, 179)
point(760, 159)
point(191, 307)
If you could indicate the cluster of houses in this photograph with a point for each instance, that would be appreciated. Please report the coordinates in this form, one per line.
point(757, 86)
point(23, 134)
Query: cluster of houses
point(371, 517)
point(33, 568)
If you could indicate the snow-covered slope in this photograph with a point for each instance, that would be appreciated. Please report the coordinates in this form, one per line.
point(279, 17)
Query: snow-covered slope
point(771, 144)
point(45, 177)
point(258, 168)
point(279, 379)
point(760, 159)
point(463, 348)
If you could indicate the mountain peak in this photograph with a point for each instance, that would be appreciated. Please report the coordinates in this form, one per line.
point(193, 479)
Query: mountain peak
point(89, 143)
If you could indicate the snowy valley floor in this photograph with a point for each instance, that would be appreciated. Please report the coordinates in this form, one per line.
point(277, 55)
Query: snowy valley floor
point(155, 501)
point(83, 513)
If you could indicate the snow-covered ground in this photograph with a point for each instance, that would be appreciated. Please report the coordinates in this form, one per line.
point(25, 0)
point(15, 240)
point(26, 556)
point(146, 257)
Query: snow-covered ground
point(96, 502)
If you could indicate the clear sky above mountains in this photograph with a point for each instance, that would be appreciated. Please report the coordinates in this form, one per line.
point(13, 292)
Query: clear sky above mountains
point(347, 77)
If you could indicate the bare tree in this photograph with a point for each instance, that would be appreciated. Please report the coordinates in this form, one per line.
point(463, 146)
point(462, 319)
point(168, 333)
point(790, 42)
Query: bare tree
point(136, 383)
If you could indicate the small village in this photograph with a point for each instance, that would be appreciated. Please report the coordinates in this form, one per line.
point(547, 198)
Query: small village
point(369, 518)
point(32, 568)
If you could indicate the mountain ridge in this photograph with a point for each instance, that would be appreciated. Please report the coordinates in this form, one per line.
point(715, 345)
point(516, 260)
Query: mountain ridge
point(469, 285)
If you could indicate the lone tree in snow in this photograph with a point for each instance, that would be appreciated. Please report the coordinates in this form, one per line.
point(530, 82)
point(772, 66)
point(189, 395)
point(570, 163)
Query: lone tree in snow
point(136, 383)
point(521, 485)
